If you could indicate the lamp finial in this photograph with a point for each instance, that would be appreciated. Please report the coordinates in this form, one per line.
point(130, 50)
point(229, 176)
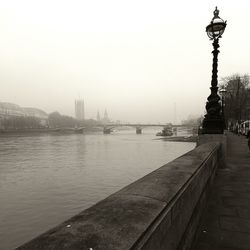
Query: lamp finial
point(216, 12)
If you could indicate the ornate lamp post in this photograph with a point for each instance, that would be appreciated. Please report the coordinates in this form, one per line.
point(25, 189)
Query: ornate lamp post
point(213, 122)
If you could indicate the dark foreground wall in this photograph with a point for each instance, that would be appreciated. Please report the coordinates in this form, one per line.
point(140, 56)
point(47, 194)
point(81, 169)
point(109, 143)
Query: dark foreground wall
point(159, 211)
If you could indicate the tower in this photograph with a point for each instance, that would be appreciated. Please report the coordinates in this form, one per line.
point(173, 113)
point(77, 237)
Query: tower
point(105, 115)
point(79, 109)
point(105, 118)
point(98, 116)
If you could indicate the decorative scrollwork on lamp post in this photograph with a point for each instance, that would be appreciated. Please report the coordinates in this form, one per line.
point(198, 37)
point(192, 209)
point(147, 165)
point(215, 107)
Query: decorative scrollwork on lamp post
point(213, 122)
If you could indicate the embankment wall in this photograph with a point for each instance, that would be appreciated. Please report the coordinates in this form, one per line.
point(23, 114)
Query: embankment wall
point(159, 211)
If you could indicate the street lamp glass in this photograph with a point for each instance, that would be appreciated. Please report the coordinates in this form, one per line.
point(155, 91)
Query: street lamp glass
point(222, 92)
point(216, 27)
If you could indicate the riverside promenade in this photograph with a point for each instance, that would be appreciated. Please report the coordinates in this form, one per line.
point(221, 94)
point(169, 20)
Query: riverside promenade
point(225, 224)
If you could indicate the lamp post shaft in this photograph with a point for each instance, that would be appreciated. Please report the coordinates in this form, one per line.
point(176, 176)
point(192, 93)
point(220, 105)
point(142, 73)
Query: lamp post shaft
point(215, 52)
point(213, 106)
point(213, 121)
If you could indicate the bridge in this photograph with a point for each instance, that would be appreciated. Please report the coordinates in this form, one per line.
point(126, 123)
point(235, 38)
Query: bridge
point(107, 128)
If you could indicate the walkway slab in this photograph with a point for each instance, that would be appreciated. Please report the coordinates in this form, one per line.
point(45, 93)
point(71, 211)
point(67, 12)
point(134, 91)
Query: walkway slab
point(225, 224)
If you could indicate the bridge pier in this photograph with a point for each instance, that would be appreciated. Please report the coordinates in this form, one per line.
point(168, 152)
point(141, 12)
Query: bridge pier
point(138, 130)
point(174, 131)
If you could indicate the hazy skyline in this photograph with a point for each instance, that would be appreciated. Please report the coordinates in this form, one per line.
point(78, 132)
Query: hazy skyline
point(137, 59)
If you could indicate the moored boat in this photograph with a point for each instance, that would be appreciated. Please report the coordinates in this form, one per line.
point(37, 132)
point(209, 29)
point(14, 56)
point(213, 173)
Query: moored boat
point(167, 131)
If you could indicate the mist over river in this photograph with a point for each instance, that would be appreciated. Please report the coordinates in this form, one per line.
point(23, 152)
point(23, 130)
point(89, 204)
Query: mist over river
point(47, 178)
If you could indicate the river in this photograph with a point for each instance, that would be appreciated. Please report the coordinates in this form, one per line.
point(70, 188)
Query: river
point(47, 178)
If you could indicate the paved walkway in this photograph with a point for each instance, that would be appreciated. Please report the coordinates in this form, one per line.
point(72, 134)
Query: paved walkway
point(226, 221)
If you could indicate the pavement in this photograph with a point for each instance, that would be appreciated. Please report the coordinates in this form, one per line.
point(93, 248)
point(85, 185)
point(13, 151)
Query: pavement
point(225, 224)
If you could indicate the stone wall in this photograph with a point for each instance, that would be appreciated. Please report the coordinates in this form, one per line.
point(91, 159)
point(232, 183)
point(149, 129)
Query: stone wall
point(159, 211)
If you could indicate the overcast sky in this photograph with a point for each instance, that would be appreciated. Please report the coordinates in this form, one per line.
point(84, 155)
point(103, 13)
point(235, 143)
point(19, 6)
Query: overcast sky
point(141, 60)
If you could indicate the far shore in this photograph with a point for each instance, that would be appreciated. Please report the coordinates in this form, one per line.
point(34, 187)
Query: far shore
point(48, 130)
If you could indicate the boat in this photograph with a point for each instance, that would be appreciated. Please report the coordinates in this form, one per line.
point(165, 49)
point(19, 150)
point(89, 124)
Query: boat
point(107, 130)
point(79, 130)
point(167, 131)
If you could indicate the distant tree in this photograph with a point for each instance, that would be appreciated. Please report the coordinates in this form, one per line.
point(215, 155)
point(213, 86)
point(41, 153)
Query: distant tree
point(56, 120)
point(237, 97)
point(89, 123)
point(192, 120)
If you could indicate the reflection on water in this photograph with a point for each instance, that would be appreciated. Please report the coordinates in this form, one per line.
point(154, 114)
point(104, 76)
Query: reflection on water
point(45, 179)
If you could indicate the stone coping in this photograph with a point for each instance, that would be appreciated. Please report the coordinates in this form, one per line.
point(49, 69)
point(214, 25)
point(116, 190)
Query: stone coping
point(151, 213)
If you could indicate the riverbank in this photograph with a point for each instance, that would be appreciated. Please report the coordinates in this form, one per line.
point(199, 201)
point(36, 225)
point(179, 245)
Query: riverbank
point(179, 138)
point(48, 130)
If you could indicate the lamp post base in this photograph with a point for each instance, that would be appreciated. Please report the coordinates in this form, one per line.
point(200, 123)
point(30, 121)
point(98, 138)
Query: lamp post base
point(213, 126)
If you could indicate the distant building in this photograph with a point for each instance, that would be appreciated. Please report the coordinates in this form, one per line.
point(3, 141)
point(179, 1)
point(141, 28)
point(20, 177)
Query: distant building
point(105, 118)
point(79, 109)
point(38, 113)
point(98, 116)
point(8, 110)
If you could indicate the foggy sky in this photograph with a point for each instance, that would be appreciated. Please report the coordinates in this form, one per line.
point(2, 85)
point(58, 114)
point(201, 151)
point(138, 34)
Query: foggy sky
point(137, 59)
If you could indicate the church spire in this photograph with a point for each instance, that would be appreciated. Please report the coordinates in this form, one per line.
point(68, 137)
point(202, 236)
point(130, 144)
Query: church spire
point(98, 116)
point(105, 114)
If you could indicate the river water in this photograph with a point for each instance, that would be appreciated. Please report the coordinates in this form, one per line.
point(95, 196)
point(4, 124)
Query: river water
point(45, 179)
